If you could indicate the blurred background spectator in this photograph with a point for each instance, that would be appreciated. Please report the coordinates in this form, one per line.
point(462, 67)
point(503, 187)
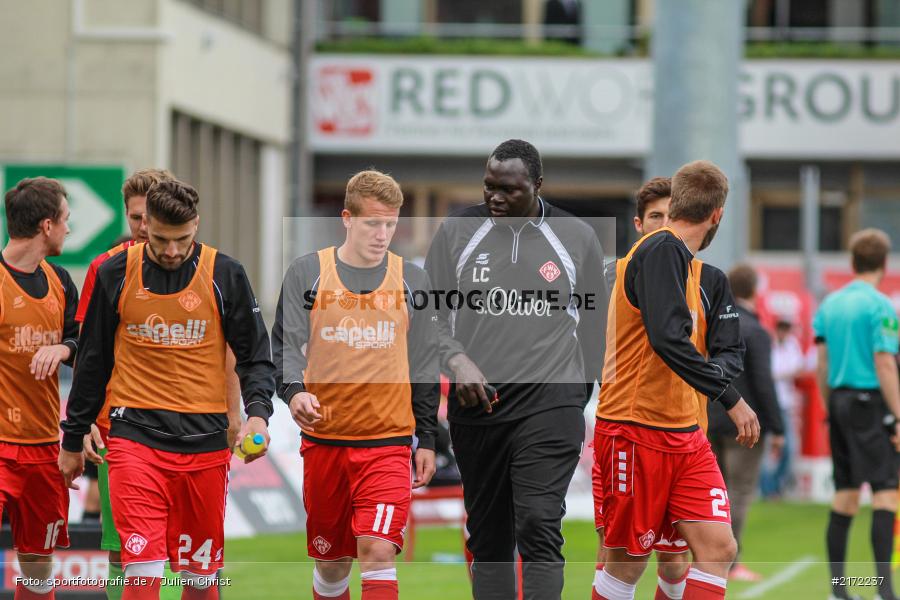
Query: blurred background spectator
point(787, 364)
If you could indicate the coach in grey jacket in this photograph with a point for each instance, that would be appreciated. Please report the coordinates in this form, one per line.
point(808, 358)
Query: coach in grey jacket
point(529, 318)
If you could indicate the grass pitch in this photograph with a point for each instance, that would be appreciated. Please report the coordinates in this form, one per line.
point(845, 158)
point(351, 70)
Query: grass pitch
point(784, 542)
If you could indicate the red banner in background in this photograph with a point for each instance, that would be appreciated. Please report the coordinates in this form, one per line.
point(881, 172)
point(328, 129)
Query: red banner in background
point(73, 570)
point(783, 294)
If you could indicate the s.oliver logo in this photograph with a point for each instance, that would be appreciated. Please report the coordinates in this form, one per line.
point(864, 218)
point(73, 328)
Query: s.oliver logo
point(345, 101)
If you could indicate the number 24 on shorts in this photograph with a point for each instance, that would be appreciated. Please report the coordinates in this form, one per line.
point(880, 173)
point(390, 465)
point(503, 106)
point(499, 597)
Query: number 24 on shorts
point(720, 499)
point(203, 555)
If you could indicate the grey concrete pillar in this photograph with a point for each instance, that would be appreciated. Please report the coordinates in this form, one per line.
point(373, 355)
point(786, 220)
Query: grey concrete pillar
point(697, 53)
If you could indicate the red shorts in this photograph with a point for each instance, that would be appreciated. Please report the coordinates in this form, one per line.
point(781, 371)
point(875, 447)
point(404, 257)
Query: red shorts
point(670, 540)
point(168, 505)
point(353, 492)
point(640, 493)
point(36, 497)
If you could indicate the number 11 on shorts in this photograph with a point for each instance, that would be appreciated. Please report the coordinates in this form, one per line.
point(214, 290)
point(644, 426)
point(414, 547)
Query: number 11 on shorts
point(385, 511)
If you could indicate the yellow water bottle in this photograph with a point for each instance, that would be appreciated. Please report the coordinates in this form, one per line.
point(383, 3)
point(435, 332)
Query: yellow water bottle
point(252, 443)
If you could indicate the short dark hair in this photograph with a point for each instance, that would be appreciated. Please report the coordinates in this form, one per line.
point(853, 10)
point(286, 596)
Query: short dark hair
point(743, 280)
point(698, 189)
point(525, 152)
point(869, 249)
point(173, 202)
point(30, 202)
point(655, 189)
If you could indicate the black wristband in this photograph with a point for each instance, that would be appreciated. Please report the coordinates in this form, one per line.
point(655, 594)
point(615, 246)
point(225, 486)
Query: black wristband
point(426, 440)
point(259, 409)
point(295, 387)
point(72, 442)
point(729, 397)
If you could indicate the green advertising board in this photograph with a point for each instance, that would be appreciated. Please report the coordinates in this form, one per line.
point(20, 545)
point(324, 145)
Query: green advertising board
point(95, 201)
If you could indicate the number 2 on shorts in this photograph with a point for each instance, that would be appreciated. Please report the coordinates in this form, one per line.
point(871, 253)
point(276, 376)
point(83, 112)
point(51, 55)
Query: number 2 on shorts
point(720, 497)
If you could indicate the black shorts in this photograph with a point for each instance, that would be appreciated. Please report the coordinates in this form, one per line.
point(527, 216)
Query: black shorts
point(90, 470)
point(861, 449)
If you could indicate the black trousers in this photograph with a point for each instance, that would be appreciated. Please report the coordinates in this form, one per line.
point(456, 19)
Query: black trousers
point(515, 476)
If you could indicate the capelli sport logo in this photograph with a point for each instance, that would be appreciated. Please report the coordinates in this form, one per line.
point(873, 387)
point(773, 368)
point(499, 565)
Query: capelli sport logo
point(358, 334)
point(156, 330)
point(28, 338)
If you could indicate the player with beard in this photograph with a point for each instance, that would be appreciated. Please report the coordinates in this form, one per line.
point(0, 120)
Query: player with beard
point(155, 333)
point(134, 194)
point(719, 337)
point(656, 467)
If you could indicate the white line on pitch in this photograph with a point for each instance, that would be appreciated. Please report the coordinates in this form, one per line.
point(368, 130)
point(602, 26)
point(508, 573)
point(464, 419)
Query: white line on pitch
point(782, 576)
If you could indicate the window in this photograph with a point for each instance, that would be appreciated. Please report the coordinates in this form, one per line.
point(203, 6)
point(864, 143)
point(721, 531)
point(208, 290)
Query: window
point(350, 10)
point(224, 167)
point(781, 228)
point(815, 13)
point(247, 14)
point(479, 11)
point(882, 210)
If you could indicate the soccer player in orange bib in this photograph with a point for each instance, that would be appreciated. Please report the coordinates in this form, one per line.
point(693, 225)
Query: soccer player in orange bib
point(37, 332)
point(156, 332)
point(718, 336)
point(656, 466)
point(357, 364)
point(134, 194)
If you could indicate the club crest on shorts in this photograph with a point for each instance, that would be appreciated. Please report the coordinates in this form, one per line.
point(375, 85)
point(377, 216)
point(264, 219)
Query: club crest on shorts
point(189, 300)
point(549, 271)
point(647, 539)
point(136, 544)
point(321, 545)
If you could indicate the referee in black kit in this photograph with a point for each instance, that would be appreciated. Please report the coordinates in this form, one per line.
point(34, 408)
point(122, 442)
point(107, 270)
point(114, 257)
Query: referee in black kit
point(856, 331)
point(531, 323)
